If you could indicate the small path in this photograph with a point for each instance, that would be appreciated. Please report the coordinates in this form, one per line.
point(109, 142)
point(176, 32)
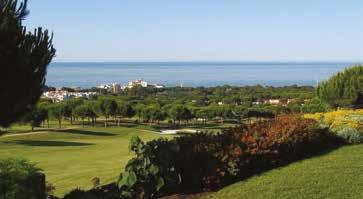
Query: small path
point(35, 132)
point(150, 131)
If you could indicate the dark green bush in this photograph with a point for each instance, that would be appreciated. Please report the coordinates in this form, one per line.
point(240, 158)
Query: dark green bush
point(153, 168)
point(109, 191)
point(79, 194)
point(20, 179)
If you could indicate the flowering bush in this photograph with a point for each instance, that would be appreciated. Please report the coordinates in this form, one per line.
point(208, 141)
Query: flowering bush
point(351, 135)
point(342, 122)
point(206, 161)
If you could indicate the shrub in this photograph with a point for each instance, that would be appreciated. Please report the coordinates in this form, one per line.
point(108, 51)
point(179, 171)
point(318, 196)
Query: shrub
point(153, 168)
point(340, 118)
point(351, 135)
point(205, 161)
point(347, 124)
point(109, 191)
point(314, 106)
point(79, 194)
point(286, 139)
point(21, 180)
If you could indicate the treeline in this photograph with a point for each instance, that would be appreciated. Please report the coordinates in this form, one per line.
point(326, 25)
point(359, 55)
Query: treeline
point(203, 96)
point(178, 106)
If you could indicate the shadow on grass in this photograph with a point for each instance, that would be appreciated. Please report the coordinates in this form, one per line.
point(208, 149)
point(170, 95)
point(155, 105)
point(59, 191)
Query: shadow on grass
point(48, 143)
point(85, 132)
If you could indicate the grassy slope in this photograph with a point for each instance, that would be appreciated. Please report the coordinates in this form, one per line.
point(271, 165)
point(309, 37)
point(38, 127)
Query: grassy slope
point(338, 174)
point(72, 158)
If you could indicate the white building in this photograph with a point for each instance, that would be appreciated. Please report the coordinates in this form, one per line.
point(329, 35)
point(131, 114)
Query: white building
point(158, 86)
point(138, 82)
point(274, 101)
point(104, 86)
point(115, 88)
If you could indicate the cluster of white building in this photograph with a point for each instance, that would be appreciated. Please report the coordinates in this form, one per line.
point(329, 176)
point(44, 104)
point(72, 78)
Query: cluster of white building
point(60, 95)
point(136, 83)
point(116, 88)
point(273, 102)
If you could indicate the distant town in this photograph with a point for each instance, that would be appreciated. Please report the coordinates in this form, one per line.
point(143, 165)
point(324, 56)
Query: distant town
point(60, 94)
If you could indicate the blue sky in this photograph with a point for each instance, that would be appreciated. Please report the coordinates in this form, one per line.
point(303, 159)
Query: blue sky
point(202, 30)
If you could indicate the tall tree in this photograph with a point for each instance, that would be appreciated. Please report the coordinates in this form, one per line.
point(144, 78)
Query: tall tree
point(179, 112)
point(36, 116)
point(24, 57)
point(70, 105)
point(106, 107)
point(45, 105)
point(82, 112)
point(343, 89)
point(56, 111)
point(124, 110)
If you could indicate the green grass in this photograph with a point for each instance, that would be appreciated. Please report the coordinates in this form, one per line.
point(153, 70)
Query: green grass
point(338, 174)
point(71, 158)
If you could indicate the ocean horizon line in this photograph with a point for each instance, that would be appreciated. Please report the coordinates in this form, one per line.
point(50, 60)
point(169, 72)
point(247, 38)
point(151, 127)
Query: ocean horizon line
point(211, 62)
point(88, 74)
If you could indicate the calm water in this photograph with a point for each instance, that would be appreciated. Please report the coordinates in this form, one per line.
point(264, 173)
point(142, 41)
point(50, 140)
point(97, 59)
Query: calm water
point(191, 73)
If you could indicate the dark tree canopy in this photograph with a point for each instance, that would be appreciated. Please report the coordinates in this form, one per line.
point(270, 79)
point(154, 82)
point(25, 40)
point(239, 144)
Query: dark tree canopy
point(343, 89)
point(24, 57)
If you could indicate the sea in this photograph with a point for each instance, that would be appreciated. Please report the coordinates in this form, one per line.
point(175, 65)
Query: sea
point(193, 74)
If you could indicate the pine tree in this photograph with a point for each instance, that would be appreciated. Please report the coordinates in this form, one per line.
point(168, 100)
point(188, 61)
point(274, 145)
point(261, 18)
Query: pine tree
point(343, 89)
point(24, 57)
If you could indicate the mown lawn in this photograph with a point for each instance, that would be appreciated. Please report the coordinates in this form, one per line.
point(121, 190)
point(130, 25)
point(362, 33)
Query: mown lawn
point(338, 174)
point(71, 158)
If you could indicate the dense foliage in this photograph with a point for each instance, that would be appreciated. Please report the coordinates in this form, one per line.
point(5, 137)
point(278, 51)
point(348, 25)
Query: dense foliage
point(343, 89)
point(24, 57)
point(180, 106)
point(205, 161)
point(20, 179)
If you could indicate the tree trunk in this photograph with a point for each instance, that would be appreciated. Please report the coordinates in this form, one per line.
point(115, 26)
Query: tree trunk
point(60, 123)
point(32, 128)
point(71, 120)
point(106, 123)
point(48, 123)
point(82, 123)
